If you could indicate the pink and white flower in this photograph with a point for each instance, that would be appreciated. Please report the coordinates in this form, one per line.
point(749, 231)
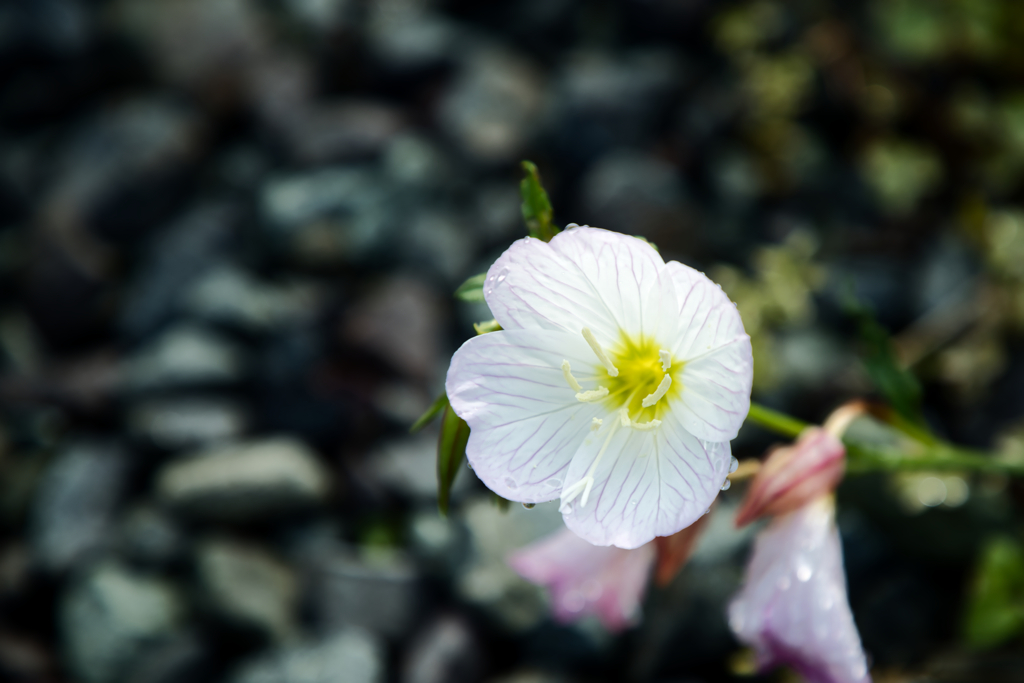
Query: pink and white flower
point(616, 385)
point(793, 609)
point(584, 579)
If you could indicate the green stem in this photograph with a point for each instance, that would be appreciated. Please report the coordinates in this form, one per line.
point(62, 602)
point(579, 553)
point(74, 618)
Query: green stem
point(930, 455)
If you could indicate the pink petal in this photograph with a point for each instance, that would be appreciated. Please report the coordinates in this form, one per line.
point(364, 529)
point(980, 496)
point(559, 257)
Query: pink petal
point(793, 608)
point(584, 579)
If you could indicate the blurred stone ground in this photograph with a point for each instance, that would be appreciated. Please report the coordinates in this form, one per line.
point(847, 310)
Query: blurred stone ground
point(229, 231)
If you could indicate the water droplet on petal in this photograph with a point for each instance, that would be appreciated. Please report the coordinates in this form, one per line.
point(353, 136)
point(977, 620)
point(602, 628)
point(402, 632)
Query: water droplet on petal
point(804, 572)
point(529, 506)
point(511, 483)
point(706, 512)
point(469, 464)
point(726, 485)
point(555, 483)
point(734, 464)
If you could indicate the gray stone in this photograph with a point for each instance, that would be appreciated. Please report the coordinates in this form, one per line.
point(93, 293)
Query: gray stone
point(111, 617)
point(399, 320)
point(187, 422)
point(333, 131)
point(486, 580)
point(148, 536)
point(443, 240)
point(494, 107)
point(409, 466)
point(376, 591)
point(328, 215)
point(415, 161)
point(75, 503)
point(633, 193)
point(445, 651)
point(350, 656)
point(248, 587)
point(186, 249)
point(244, 481)
point(228, 294)
point(184, 356)
point(405, 34)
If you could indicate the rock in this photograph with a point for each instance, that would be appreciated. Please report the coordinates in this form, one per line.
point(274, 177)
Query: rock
point(248, 588)
point(149, 537)
point(323, 132)
point(187, 422)
point(442, 240)
point(633, 193)
point(531, 676)
point(124, 157)
point(111, 617)
point(227, 294)
point(399, 320)
point(415, 161)
point(182, 253)
point(493, 109)
point(378, 592)
point(349, 656)
point(405, 35)
point(59, 26)
point(181, 658)
point(486, 580)
point(75, 503)
point(408, 466)
point(184, 356)
point(436, 540)
point(328, 215)
point(445, 651)
point(322, 15)
point(245, 481)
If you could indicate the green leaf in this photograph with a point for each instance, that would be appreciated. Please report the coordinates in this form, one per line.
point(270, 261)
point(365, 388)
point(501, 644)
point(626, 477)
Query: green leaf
point(536, 207)
point(486, 326)
point(897, 384)
point(472, 289)
point(433, 411)
point(995, 603)
point(451, 451)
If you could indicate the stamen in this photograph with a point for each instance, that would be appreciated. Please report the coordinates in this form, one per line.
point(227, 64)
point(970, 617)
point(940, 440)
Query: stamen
point(624, 417)
point(592, 395)
point(595, 424)
point(567, 373)
point(599, 352)
point(571, 493)
point(662, 389)
point(644, 426)
point(587, 482)
point(586, 492)
point(666, 359)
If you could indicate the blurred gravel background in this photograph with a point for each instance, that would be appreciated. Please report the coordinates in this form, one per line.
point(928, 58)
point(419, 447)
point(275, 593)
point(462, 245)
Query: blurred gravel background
point(229, 233)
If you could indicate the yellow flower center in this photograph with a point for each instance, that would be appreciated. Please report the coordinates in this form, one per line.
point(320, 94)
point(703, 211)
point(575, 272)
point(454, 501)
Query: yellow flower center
point(641, 375)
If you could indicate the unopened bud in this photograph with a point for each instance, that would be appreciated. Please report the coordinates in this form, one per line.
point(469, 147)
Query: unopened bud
point(794, 475)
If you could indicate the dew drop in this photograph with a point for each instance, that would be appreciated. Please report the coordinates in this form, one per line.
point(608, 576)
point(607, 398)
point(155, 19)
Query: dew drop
point(734, 463)
point(469, 464)
point(726, 485)
point(511, 483)
point(706, 512)
point(555, 483)
point(804, 572)
point(529, 506)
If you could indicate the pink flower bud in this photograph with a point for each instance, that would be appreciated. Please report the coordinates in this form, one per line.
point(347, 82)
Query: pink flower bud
point(793, 609)
point(793, 475)
point(584, 579)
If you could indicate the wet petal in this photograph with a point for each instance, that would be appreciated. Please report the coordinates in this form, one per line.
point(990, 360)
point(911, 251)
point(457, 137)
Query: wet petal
point(585, 277)
point(647, 483)
point(584, 579)
point(525, 422)
point(793, 607)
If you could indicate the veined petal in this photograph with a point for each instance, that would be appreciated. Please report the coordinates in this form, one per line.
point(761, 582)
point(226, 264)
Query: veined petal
point(647, 483)
point(585, 277)
point(525, 421)
point(587, 579)
point(709, 319)
point(793, 607)
point(716, 391)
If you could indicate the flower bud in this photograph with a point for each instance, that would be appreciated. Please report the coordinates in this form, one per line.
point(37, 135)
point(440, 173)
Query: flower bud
point(794, 475)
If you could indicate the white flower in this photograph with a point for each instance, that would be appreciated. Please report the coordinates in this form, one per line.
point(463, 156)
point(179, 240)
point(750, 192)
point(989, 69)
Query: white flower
point(793, 608)
point(616, 384)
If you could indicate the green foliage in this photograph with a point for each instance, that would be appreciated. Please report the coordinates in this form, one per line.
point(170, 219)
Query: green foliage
point(433, 411)
point(897, 385)
point(995, 607)
point(536, 207)
point(472, 289)
point(451, 452)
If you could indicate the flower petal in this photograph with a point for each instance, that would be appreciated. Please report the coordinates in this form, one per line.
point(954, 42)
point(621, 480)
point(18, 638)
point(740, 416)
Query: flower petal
point(585, 277)
point(587, 579)
point(793, 607)
point(716, 391)
point(525, 422)
point(648, 483)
